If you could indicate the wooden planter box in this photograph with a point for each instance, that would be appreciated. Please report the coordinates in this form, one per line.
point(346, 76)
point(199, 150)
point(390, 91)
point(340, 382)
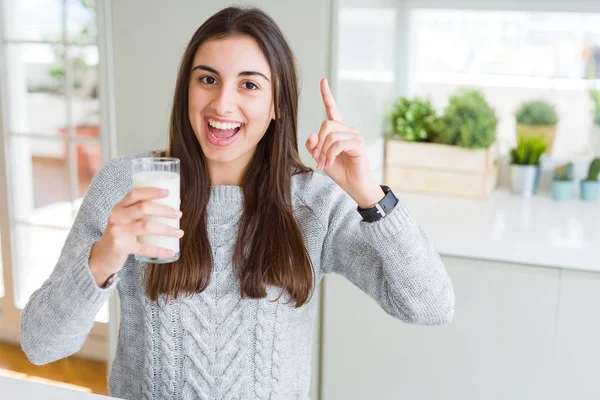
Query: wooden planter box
point(440, 169)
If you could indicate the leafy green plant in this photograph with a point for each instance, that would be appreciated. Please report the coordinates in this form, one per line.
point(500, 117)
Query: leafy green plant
point(468, 121)
point(595, 96)
point(593, 170)
point(528, 151)
point(563, 172)
point(413, 120)
point(537, 112)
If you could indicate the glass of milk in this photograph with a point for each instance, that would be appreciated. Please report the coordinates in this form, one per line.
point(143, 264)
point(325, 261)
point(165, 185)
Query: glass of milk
point(159, 172)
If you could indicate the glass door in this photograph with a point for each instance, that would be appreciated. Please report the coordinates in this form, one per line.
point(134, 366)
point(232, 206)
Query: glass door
point(50, 142)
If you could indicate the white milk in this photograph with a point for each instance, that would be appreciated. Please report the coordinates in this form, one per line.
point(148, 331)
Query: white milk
point(163, 180)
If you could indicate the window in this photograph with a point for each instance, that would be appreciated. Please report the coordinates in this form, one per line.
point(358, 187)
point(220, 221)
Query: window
point(51, 134)
point(364, 71)
point(511, 56)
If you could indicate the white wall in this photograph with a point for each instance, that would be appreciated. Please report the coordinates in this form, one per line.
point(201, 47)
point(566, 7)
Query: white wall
point(149, 37)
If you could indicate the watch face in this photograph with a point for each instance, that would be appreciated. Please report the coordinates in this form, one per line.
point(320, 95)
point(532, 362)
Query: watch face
point(381, 209)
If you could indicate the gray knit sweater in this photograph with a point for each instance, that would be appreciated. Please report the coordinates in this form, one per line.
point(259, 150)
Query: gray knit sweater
point(215, 344)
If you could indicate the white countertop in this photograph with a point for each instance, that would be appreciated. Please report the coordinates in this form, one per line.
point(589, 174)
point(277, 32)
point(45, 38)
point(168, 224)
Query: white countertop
point(13, 389)
point(509, 228)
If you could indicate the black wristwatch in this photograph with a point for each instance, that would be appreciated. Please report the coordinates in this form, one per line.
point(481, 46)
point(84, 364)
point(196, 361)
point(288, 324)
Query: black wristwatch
point(380, 209)
point(109, 281)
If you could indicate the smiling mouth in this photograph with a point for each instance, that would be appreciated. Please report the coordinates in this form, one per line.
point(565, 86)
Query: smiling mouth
point(223, 134)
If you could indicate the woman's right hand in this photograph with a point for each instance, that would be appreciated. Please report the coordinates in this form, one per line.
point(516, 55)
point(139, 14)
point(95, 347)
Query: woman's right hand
point(125, 223)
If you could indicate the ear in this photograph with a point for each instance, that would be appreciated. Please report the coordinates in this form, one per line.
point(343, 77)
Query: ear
point(273, 112)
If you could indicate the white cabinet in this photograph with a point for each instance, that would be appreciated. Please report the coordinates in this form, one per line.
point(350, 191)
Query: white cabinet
point(576, 365)
point(499, 346)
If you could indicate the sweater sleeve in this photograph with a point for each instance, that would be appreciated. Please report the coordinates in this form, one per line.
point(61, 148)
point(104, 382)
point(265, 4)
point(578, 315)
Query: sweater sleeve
point(60, 314)
point(392, 260)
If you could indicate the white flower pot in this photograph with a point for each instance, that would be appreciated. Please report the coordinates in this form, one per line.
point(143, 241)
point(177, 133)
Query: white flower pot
point(524, 179)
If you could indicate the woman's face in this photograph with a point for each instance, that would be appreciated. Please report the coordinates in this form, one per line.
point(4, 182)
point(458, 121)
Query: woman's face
point(230, 101)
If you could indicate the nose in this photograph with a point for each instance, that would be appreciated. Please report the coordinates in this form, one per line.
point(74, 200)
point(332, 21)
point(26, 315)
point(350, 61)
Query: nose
point(224, 102)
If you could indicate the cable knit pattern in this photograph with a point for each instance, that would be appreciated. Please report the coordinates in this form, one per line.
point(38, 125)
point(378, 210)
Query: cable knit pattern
point(166, 351)
point(275, 359)
point(216, 345)
point(148, 382)
point(262, 357)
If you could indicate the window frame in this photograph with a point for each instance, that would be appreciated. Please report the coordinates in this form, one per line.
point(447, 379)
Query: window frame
point(101, 343)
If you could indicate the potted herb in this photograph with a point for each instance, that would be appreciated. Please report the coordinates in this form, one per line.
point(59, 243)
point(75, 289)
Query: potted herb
point(468, 121)
point(455, 154)
point(595, 132)
point(537, 118)
point(413, 120)
point(525, 164)
point(562, 182)
point(590, 186)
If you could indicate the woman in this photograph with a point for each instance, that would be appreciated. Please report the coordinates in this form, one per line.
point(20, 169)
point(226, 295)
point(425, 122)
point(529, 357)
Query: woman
point(233, 317)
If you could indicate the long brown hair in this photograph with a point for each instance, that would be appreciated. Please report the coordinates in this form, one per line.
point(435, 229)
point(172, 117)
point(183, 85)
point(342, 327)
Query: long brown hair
point(270, 248)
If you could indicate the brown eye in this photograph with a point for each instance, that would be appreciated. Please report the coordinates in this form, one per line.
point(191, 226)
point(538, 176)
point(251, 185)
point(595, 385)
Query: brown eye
point(250, 86)
point(208, 80)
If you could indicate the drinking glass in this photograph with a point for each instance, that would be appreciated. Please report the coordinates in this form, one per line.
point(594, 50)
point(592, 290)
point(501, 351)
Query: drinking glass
point(164, 173)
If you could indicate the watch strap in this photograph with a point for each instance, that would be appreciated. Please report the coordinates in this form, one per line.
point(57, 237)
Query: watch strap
point(109, 281)
point(382, 208)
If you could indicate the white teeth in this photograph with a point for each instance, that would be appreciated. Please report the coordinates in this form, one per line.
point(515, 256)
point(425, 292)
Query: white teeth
point(223, 125)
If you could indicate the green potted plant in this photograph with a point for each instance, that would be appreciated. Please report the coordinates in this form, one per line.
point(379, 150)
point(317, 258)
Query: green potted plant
point(562, 182)
point(455, 154)
point(538, 118)
point(525, 164)
point(468, 121)
point(590, 186)
point(595, 132)
point(413, 120)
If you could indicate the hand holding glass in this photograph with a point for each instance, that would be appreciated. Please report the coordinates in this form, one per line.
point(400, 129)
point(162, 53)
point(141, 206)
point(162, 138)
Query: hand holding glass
point(163, 173)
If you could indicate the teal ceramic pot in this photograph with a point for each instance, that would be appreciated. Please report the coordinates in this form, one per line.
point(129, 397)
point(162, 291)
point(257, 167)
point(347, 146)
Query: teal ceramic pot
point(589, 190)
point(562, 190)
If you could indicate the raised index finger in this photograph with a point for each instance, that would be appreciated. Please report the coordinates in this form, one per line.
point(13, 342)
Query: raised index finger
point(333, 113)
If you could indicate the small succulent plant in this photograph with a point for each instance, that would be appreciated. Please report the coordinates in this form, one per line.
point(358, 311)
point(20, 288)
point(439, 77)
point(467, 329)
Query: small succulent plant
point(563, 172)
point(594, 170)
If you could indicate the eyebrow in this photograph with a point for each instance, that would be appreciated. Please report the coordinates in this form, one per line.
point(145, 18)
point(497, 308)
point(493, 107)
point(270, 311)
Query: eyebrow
point(243, 73)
